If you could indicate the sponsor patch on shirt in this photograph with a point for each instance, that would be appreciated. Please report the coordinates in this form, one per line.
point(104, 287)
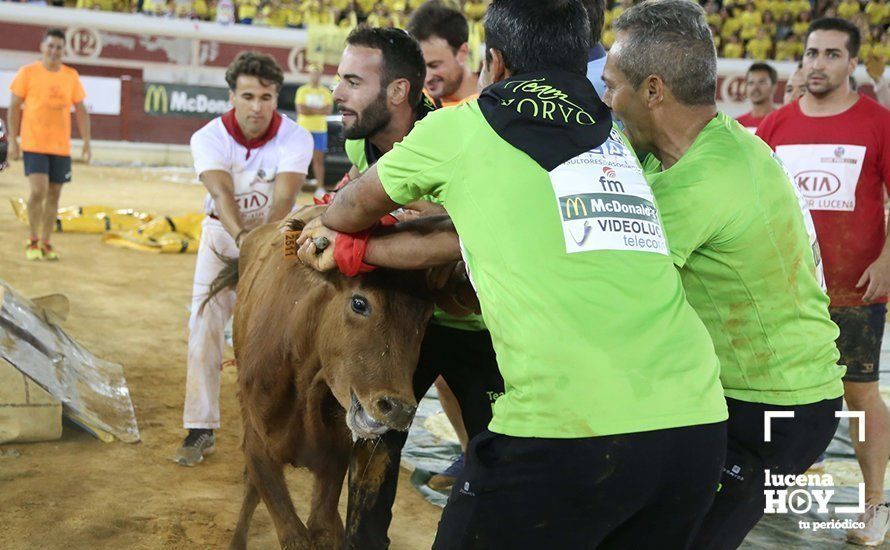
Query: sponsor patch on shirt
point(605, 202)
point(827, 175)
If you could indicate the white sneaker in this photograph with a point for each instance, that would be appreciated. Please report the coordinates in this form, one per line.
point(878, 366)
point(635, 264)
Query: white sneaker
point(877, 520)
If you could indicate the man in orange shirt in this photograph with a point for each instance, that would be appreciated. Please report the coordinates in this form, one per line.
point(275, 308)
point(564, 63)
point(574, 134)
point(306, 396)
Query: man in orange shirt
point(443, 34)
point(48, 89)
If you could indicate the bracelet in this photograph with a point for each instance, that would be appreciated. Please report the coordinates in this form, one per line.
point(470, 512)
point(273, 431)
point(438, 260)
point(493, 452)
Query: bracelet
point(239, 235)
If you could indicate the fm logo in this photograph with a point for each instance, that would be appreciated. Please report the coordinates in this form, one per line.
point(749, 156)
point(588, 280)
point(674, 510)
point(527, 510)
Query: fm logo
point(609, 181)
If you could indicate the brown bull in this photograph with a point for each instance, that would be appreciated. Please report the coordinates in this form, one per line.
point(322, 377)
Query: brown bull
point(322, 359)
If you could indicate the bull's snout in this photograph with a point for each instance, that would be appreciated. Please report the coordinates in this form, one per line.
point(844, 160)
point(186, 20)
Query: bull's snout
point(395, 412)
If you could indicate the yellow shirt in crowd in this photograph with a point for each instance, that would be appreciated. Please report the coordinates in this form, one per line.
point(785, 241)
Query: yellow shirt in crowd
point(800, 28)
point(787, 50)
point(797, 7)
point(474, 11)
point(315, 97)
point(733, 50)
point(104, 5)
point(848, 8)
point(758, 48)
point(751, 18)
point(247, 9)
point(730, 27)
point(878, 14)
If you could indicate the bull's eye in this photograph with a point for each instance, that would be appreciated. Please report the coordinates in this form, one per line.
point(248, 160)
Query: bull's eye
point(360, 305)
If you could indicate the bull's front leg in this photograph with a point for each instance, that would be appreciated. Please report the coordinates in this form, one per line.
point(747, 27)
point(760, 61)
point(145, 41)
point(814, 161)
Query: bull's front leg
point(325, 524)
point(268, 478)
point(373, 476)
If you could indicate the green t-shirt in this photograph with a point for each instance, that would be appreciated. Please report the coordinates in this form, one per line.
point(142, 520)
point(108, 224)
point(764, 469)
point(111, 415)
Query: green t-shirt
point(736, 231)
point(361, 157)
point(587, 313)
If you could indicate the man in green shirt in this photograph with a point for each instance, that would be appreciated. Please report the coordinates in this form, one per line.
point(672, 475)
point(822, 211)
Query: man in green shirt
point(747, 255)
point(381, 79)
point(611, 430)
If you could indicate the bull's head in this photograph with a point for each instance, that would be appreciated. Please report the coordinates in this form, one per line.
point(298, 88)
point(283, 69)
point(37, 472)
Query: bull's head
point(380, 319)
point(377, 321)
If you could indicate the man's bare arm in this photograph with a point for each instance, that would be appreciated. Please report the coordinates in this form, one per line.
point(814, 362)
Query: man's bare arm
point(13, 124)
point(416, 244)
point(222, 189)
point(359, 205)
point(876, 277)
point(284, 194)
point(83, 125)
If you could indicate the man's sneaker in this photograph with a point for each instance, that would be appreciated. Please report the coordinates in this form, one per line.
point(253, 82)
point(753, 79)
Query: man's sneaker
point(876, 519)
point(33, 251)
point(444, 480)
point(198, 444)
point(48, 252)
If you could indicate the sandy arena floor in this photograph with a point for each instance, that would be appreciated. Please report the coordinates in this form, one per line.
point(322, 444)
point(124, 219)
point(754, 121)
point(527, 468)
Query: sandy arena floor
point(130, 307)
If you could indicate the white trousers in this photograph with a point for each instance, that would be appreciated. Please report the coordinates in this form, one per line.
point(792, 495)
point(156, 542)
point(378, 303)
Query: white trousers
point(207, 329)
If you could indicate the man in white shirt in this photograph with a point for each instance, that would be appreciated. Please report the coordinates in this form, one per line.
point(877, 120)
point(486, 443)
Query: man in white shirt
point(253, 162)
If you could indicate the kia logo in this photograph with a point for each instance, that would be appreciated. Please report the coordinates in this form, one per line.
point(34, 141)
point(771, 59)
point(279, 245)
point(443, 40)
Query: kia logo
point(250, 202)
point(817, 183)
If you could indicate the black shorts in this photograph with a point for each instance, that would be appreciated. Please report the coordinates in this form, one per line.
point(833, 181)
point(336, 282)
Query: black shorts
point(794, 445)
point(621, 492)
point(862, 329)
point(58, 168)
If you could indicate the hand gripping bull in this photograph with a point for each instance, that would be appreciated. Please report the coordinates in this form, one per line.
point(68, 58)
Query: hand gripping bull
point(322, 360)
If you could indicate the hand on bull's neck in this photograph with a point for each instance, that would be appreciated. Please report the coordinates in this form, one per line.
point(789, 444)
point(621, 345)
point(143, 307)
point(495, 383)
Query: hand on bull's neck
point(359, 205)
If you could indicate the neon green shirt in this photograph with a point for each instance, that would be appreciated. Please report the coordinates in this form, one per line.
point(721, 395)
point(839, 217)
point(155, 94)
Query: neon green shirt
point(587, 313)
point(736, 232)
point(357, 151)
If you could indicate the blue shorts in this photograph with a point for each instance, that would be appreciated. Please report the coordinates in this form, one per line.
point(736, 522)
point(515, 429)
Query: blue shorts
point(58, 168)
point(321, 141)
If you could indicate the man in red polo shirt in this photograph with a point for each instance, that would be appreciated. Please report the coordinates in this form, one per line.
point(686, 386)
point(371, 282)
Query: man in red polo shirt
point(836, 144)
point(760, 87)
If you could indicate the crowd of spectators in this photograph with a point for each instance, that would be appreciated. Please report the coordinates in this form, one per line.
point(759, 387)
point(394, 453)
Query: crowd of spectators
point(751, 29)
point(775, 29)
point(278, 13)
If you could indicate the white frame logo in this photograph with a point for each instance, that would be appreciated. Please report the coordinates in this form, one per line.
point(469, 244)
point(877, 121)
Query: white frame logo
point(796, 494)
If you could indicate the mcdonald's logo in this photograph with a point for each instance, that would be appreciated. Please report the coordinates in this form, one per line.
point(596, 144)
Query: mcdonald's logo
point(156, 100)
point(577, 206)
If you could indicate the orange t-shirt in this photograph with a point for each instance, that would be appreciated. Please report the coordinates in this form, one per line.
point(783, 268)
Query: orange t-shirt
point(46, 116)
point(460, 101)
point(440, 103)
